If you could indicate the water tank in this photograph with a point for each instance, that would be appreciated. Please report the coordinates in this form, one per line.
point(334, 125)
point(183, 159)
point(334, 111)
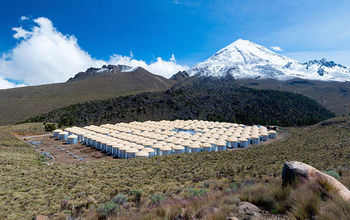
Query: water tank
point(63, 136)
point(150, 151)
point(195, 148)
point(109, 148)
point(121, 152)
point(178, 149)
point(243, 143)
point(156, 148)
point(115, 150)
point(273, 134)
point(206, 147)
point(186, 144)
point(142, 154)
point(56, 133)
point(72, 139)
point(221, 145)
point(264, 136)
point(131, 153)
point(232, 142)
point(165, 150)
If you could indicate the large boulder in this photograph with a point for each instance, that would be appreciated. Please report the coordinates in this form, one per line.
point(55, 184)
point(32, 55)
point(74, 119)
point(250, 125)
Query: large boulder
point(297, 171)
point(249, 209)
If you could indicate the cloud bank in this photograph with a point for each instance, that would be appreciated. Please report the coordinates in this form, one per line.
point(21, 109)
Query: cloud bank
point(45, 55)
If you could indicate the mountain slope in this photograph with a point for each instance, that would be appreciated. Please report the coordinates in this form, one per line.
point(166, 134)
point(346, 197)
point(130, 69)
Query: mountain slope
point(335, 96)
point(245, 59)
point(21, 103)
point(203, 99)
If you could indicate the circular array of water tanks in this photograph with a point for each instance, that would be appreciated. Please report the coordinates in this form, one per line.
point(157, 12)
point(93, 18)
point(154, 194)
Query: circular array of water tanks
point(151, 138)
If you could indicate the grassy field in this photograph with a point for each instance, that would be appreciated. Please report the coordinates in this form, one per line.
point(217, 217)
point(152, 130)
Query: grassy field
point(28, 187)
point(8, 133)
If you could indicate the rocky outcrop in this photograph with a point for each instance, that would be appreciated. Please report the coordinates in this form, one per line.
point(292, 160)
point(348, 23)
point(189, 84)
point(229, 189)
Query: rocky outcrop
point(179, 76)
point(105, 69)
point(249, 209)
point(297, 171)
point(41, 217)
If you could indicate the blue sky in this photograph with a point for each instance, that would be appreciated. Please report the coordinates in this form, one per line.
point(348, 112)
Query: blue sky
point(191, 30)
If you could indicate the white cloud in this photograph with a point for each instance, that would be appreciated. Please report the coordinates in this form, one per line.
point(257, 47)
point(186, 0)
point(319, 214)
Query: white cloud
point(24, 18)
point(45, 55)
point(276, 48)
point(159, 66)
point(5, 84)
point(21, 33)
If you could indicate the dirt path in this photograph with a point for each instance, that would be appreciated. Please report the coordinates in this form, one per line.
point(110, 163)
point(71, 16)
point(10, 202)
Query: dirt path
point(60, 152)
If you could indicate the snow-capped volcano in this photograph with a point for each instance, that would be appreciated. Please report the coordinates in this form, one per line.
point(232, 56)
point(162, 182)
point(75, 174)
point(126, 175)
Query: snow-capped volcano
point(245, 59)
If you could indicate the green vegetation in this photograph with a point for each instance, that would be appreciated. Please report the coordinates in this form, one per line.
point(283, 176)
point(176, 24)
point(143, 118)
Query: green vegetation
point(29, 187)
point(50, 127)
point(333, 174)
point(208, 99)
point(311, 200)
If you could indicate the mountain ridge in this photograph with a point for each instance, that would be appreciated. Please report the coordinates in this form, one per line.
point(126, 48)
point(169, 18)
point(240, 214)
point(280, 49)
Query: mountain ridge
point(18, 104)
point(105, 69)
point(202, 98)
point(244, 59)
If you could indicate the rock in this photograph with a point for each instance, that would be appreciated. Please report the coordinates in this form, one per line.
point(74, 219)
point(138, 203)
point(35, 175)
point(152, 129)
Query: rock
point(231, 218)
point(249, 209)
point(206, 212)
point(179, 76)
point(298, 171)
point(41, 217)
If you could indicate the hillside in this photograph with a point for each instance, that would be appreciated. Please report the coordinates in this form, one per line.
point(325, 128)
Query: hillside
point(25, 180)
point(196, 98)
point(21, 103)
point(335, 96)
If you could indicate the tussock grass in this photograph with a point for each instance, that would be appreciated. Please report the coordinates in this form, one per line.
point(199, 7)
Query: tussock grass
point(8, 133)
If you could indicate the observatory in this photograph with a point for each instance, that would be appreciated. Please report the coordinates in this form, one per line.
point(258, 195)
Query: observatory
point(160, 138)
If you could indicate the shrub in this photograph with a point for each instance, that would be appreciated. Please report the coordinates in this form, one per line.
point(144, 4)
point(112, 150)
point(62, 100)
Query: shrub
point(206, 184)
point(156, 198)
point(234, 186)
point(50, 127)
point(136, 196)
point(120, 199)
point(108, 208)
point(333, 174)
point(191, 192)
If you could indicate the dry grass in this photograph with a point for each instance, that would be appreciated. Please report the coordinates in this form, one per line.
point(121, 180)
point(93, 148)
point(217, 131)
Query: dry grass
point(29, 188)
point(8, 133)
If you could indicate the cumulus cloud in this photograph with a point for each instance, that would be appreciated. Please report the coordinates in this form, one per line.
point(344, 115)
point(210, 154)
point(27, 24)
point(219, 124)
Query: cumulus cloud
point(5, 84)
point(159, 66)
point(276, 48)
point(45, 55)
point(24, 18)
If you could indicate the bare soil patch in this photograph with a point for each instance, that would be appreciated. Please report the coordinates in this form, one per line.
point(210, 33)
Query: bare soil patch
point(64, 153)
